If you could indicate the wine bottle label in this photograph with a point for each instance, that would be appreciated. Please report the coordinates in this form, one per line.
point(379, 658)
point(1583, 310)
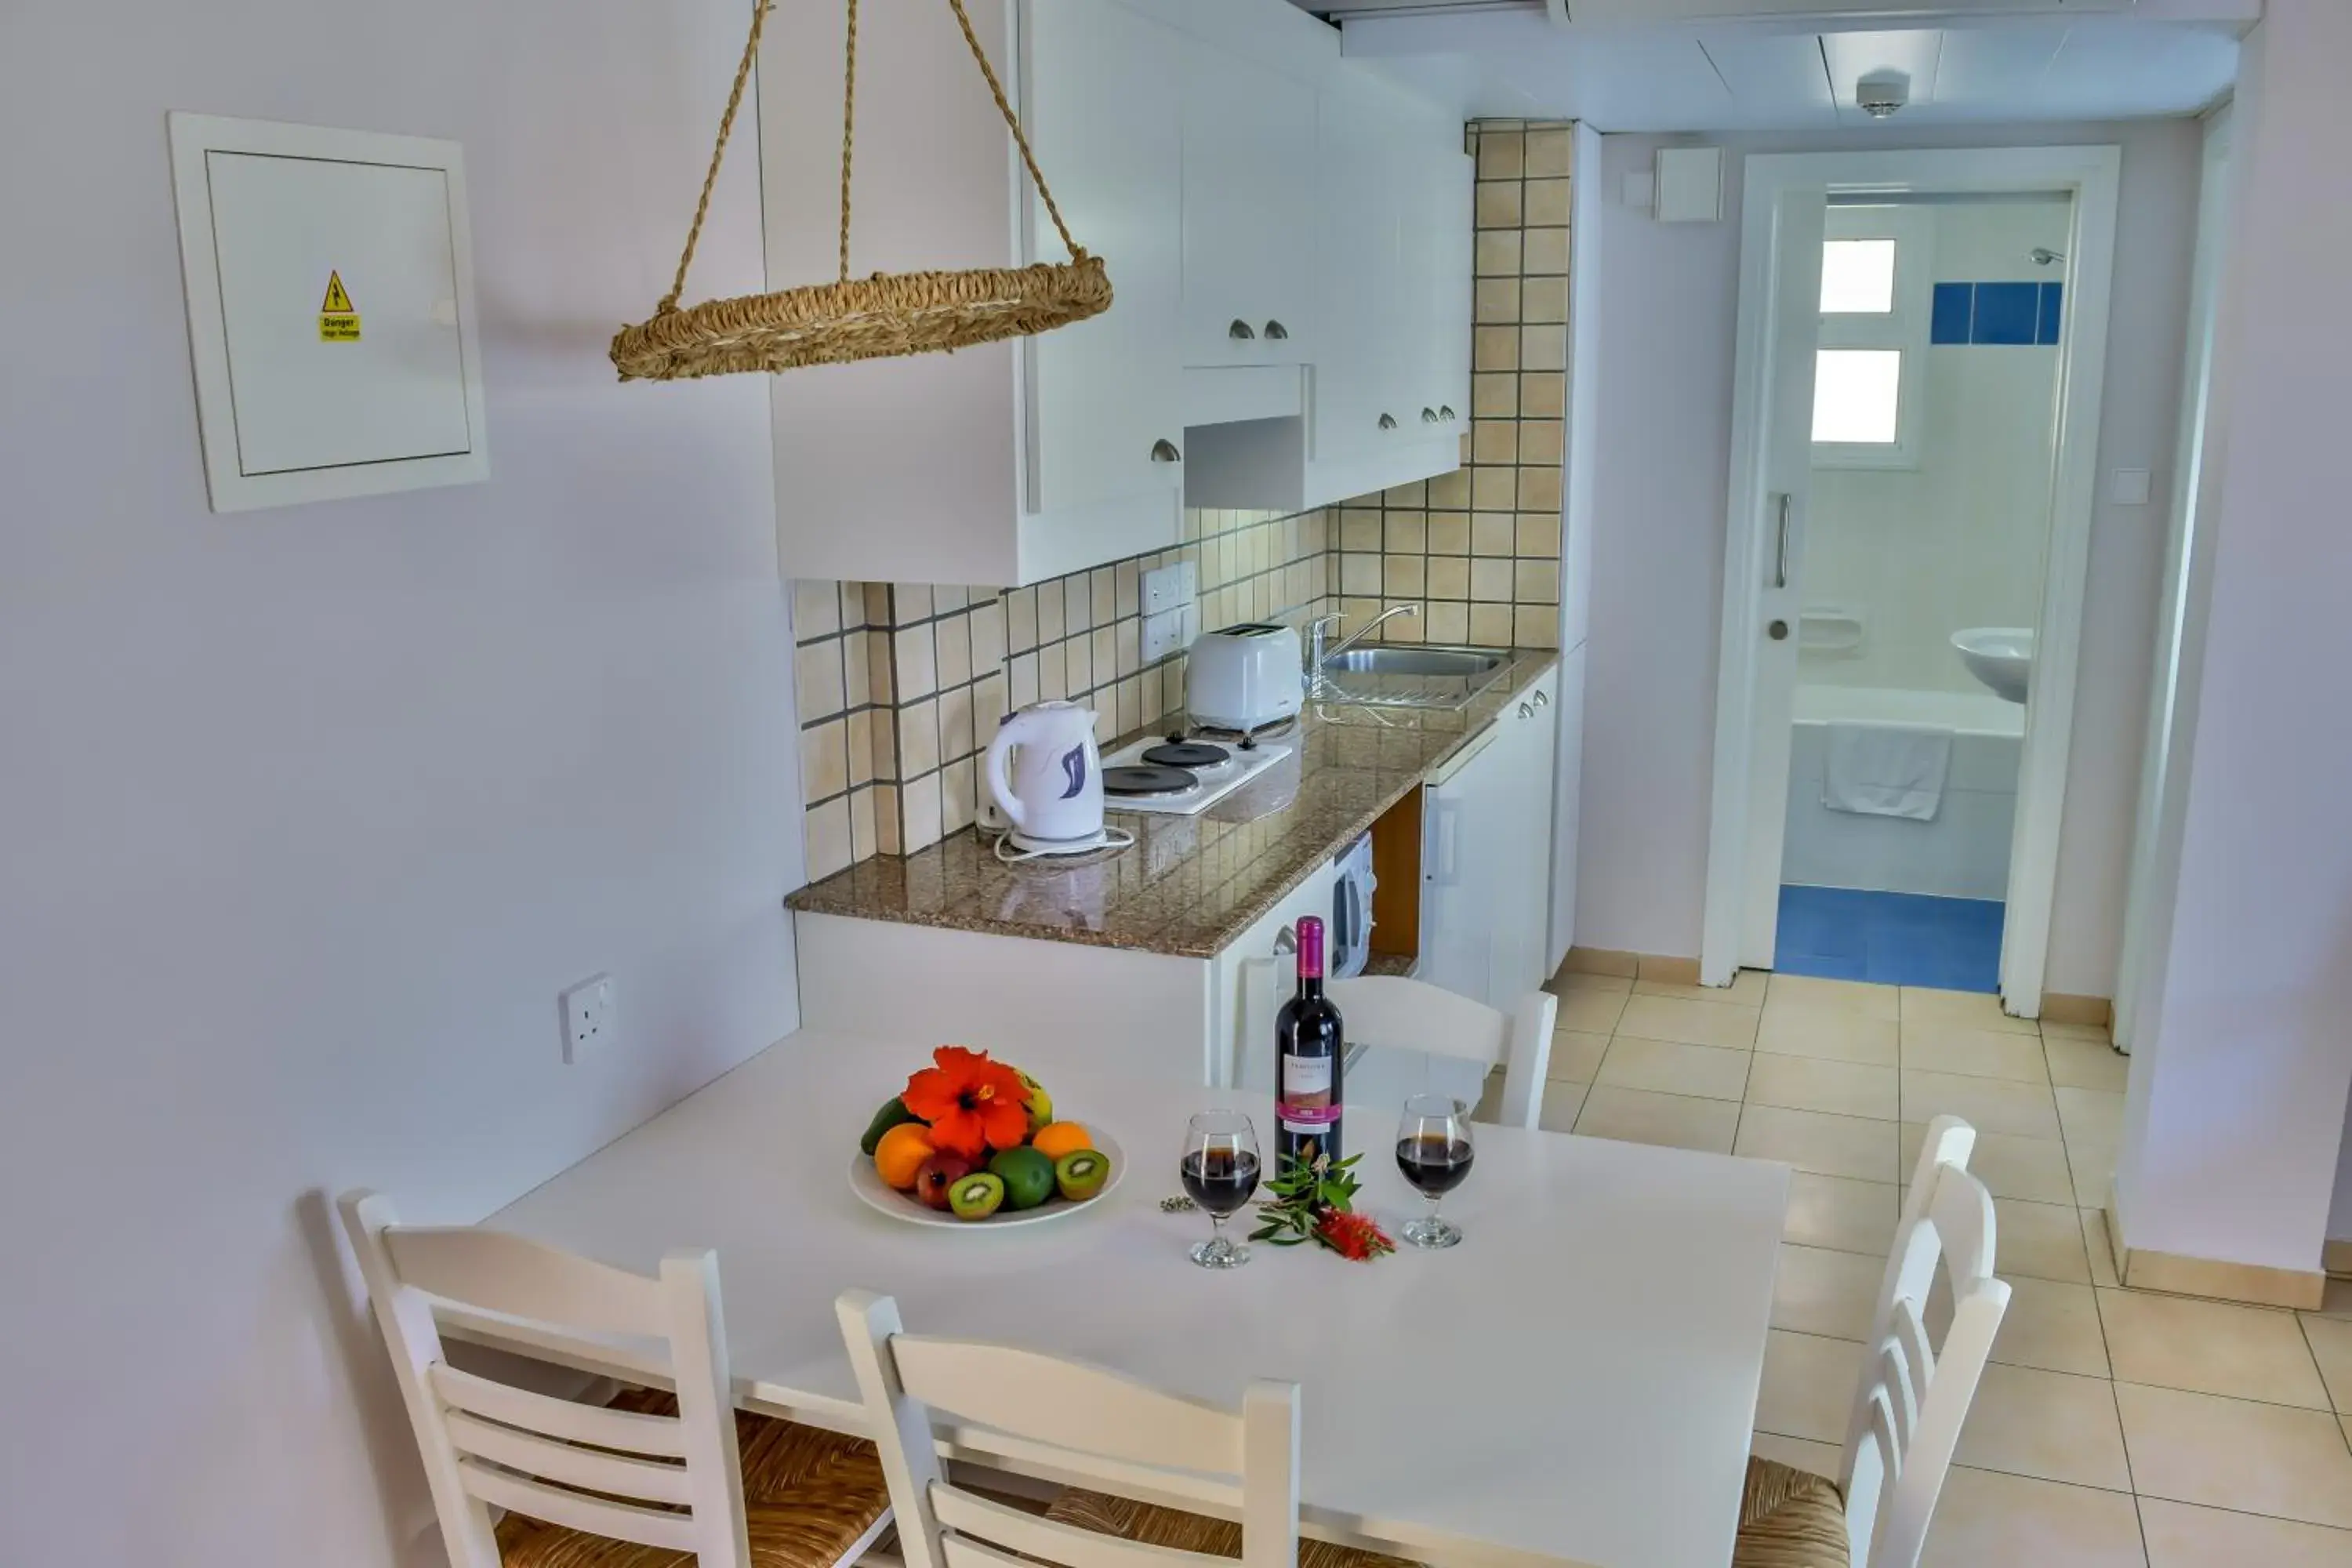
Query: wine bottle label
point(1306, 1089)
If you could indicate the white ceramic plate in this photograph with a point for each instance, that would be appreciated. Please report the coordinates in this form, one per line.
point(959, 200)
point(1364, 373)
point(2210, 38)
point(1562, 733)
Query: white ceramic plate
point(867, 1184)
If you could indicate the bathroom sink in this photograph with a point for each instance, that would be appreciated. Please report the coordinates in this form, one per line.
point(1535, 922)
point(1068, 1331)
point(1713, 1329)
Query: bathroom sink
point(2001, 657)
point(1461, 663)
point(1391, 676)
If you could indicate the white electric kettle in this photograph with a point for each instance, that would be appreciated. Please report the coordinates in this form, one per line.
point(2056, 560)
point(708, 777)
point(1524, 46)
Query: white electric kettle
point(1044, 774)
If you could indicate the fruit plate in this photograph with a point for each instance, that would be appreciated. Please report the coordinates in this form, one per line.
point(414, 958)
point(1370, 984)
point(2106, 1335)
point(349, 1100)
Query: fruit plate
point(867, 1184)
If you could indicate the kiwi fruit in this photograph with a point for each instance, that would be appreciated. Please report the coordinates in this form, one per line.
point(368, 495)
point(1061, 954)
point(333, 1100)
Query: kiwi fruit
point(1081, 1173)
point(976, 1196)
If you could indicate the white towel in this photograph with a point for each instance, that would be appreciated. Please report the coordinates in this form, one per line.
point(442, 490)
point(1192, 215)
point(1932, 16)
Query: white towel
point(1887, 769)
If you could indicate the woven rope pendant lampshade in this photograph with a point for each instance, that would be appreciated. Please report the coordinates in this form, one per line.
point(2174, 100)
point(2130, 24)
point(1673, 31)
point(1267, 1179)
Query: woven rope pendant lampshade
point(878, 317)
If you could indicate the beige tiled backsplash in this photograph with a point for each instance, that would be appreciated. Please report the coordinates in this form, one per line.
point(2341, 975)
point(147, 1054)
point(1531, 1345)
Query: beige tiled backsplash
point(901, 685)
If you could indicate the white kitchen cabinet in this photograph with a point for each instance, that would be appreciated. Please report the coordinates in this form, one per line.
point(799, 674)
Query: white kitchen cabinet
point(1486, 856)
point(1249, 211)
point(1010, 462)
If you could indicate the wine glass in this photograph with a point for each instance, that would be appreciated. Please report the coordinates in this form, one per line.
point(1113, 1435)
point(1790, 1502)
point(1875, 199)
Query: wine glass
point(1220, 1170)
point(1433, 1152)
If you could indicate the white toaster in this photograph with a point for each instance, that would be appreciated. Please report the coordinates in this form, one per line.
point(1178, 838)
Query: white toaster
point(1245, 677)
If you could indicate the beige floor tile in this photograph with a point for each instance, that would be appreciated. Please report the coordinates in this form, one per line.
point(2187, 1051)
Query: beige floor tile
point(1589, 1012)
point(1844, 1215)
point(1638, 1116)
point(2044, 1240)
point(1688, 1023)
point(2076, 1063)
point(2092, 1163)
point(2046, 1424)
point(1833, 1294)
point(1830, 1032)
point(1576, 1054)
point(2049, 1325)
point(1798, 1453)
point(1810, 991)
point(1985, 1519)
point(2100, 1248)
point(2089, 1115)
point(2337, 1300)
point(1826, 1145)
point(2236, 1454)
point(2209, 1347)
point(1664, 1067)
point(1989, 1105)
point(1562, 1100)
point(2075, 1032)
point(1964, 1009)
point(1746, 990)
point(2181, 1536)
point(2033, 1169)
point(1974, 1053)
point(1808, 1083)
point(1808, 1387)
point(1568, 980)
point(2331, 1346)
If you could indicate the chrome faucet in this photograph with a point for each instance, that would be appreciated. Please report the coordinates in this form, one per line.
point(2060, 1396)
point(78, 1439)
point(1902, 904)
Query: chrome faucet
point(1317, 655)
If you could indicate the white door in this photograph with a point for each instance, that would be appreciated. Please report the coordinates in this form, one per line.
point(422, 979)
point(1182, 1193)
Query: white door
point(1763, 608)
point(1249, 212)
point(1517, 847)
point(1458, 894)
point(1104, 112)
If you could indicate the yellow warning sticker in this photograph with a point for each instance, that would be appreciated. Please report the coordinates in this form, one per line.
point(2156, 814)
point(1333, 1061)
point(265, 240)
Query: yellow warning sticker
point(339, 318)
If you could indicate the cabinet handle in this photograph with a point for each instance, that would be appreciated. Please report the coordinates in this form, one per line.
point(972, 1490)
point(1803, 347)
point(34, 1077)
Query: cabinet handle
point(1428, 417)
point(1276, 331)
point(1166, 452)
point(1526, 711)
point(1446, 411)
point(1387, 421)
point(1781, 550)
point(1543, 699)
point(1240, 332)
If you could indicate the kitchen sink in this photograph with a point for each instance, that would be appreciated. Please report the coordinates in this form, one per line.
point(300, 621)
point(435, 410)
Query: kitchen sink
point(1412, 676)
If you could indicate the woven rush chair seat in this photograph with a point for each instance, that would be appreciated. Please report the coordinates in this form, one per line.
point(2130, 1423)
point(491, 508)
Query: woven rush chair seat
point(1789, 1518)
point(809, 1494)
point(1150, 1525)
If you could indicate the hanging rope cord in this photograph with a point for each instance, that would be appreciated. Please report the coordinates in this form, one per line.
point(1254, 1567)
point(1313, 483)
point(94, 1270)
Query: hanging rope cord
point(848, 127)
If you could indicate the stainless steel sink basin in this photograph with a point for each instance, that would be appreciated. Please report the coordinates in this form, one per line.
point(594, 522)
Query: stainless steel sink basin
point(1410, 676)
point(1461, 663)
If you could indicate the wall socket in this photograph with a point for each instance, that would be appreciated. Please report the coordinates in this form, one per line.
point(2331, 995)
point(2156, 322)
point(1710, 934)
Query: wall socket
point(589, 1022)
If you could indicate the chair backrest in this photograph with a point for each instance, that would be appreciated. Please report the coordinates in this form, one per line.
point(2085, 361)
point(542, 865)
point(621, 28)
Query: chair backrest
point(1085, 1422)
point(667, 1481)
point(1414, 1015)
point(1912, 1396)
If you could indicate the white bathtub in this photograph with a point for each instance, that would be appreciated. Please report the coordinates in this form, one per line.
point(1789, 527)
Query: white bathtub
point(1963, 853)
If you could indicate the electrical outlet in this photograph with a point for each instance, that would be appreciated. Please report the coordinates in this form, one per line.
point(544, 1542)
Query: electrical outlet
point(1187, 581)
point(1163, 634)
point(589, 1023)
point(1164, 589)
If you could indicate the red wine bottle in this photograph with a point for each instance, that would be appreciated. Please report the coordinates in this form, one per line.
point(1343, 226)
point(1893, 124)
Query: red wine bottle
point(1309, 1047)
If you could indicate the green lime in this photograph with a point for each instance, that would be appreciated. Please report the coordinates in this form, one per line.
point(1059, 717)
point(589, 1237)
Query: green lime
point(1081, 1173)
point(894, 1114)
point(1028, 1177)
point(976, 1196)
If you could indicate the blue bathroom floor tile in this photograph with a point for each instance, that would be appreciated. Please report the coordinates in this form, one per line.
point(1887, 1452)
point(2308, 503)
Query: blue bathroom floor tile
point(1893, 938)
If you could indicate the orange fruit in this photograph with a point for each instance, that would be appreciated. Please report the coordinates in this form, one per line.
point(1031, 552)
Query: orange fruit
point(902, 1149)
point(1056, 1139)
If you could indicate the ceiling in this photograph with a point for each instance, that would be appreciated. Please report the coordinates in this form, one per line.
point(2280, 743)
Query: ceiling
point(1513, 58)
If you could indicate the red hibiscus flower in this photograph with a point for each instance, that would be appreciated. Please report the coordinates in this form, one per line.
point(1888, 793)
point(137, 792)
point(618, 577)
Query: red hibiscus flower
point(973, 1104)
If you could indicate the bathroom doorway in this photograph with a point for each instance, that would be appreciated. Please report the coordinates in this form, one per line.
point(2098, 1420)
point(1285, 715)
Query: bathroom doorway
point(1921, 336)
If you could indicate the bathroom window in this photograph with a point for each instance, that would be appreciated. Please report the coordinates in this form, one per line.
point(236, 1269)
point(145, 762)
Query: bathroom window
point(1869, 370)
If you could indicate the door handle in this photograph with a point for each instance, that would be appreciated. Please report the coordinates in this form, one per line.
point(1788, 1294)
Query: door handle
point(1781, 550)
point(1241, 330)
point(1543, 699)
point(1276, 331)
point(1778, 631)
point(1164, 451)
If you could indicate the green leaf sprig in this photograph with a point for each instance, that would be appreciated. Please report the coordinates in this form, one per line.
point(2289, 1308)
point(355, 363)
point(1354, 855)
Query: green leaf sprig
point(1303, 1192)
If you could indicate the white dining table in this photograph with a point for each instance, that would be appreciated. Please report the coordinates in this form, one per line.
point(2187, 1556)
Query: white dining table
point(1574, 1383)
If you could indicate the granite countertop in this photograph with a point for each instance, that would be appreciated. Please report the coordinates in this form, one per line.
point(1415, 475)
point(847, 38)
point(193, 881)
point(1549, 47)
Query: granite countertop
point(1190, 885)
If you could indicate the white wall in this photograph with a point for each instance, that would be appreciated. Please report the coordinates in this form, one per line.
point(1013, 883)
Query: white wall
point(1664, 456)
point(309, 813)
point(2234, 1123)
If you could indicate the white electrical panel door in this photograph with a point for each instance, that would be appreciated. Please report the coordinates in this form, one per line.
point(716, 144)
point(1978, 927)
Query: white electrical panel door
point(330, 310)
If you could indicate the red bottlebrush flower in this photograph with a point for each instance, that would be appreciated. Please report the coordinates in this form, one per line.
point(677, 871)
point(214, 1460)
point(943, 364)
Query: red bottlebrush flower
point(972, 1103)
point(1355, 1236)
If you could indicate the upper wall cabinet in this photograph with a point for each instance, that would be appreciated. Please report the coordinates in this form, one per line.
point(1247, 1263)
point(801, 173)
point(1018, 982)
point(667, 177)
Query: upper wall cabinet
point(1011, 462)
point(1249, 212)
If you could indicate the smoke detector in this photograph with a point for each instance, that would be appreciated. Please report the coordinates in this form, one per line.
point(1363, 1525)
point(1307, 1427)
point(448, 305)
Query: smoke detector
point(1880, 96)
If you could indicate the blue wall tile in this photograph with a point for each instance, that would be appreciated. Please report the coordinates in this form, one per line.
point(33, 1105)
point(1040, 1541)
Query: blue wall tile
point(2006, 313)
point(2053, 312)
point(1955, 303)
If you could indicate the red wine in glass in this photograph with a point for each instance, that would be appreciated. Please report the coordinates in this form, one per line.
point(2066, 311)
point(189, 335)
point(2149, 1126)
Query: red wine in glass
point(1433, 1150)
point(1432, 1162)
point(1219, 1168)
point(1220, 1180)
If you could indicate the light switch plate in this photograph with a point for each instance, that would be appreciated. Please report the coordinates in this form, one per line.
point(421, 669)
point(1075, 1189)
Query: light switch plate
point(2130, 487)
point(1163, 634)
point(589, 1018)
point(1690, 184)
point(1162, 589)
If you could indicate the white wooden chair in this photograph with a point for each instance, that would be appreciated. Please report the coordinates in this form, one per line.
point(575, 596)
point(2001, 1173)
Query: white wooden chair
point(1911, 1397)
point(1385, 1010)
point(1089, 1422)
point(648, 1471)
